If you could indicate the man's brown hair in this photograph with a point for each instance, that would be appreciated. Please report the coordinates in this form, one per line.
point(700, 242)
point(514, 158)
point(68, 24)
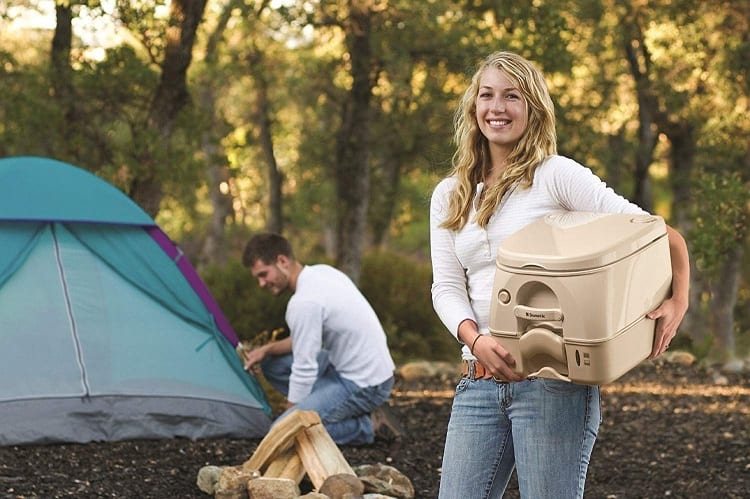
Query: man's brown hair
point(266, 247)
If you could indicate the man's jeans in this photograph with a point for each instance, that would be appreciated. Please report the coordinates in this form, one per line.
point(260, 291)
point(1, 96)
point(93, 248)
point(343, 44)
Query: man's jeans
point(545, 428)
point(343, 406)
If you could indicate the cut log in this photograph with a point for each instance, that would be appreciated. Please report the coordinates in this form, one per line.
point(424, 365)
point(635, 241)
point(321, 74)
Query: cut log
point(287, 465)
point(280, 438)
point(320, 456)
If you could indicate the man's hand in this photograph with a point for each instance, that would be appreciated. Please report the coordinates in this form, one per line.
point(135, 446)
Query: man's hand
point(254, 357)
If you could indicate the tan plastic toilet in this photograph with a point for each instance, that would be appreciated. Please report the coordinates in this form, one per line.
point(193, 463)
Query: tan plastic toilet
point(572, 291)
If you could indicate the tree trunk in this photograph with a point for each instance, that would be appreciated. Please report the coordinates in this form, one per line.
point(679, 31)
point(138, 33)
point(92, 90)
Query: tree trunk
point(214, 247)
point(217, 173)
point(274, 219)
point(383, 208)
point(648, 107)
point(352, 146)
point(61, 77)
point(616, 167)
point(724, 301)
point(60, 57)
point(171, 96)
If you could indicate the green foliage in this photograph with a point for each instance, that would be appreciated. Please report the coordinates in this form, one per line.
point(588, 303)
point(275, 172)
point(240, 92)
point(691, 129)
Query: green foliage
point(250, 309)
point(721, 220)
point(399, 290)
point(28, 117)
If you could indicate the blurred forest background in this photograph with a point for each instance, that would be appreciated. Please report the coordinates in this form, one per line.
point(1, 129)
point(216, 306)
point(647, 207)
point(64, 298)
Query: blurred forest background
point(330, 121)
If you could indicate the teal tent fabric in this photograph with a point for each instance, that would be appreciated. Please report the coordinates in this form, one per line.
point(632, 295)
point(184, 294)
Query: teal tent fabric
point(33, 188)
point(17, 241)
point(103, 338)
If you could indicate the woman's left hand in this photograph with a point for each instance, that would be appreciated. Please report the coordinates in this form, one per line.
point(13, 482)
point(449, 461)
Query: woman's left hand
point(668, 317)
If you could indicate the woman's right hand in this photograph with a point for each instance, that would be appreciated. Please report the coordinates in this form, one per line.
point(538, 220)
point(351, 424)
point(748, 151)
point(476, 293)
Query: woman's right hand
point(496, 359)
point(489, 352)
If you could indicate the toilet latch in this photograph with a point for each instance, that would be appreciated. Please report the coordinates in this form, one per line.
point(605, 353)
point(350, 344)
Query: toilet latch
point(538, 314)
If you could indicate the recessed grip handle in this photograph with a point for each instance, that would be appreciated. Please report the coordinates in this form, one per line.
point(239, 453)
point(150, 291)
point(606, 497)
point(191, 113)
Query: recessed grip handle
point(540, 341)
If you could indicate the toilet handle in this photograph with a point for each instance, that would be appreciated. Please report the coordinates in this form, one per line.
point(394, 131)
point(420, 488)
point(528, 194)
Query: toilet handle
point(539, 341)
point(538, 314)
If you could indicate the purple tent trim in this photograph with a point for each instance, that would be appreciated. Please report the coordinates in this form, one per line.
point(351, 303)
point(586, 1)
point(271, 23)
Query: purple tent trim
point(195, 281)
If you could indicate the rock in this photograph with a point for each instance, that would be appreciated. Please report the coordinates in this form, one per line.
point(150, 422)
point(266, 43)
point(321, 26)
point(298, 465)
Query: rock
point(420, 370)
point(720, 379)
point(272, 488)
point(680, 357)
point(387, 480)
point(231, 494)
point(734, 366)
point(232, 482)
point(314, 495)
point(208, 476)
point(339, 485)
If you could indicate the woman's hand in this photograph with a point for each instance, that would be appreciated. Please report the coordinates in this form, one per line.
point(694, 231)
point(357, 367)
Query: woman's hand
point(489, 352)
point(496, 359)
point(668, 317)
point(669, 314)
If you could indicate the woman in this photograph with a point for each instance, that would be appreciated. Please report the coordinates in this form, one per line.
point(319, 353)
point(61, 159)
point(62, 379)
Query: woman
point(506, 174)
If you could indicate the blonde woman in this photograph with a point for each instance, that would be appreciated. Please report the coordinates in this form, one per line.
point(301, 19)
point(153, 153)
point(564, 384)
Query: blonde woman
point(506, 173)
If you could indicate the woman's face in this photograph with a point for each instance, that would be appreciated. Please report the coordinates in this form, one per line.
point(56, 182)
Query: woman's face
point(501, 110)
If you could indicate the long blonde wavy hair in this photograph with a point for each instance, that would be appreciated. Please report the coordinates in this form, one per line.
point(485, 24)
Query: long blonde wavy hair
point(471, 161)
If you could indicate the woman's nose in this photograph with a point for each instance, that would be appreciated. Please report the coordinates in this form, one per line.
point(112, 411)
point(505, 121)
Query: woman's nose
point(498, 104)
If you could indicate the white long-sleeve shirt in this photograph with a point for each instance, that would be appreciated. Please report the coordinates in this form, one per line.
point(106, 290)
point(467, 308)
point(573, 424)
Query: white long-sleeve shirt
point(463, 261)
point(327, 311)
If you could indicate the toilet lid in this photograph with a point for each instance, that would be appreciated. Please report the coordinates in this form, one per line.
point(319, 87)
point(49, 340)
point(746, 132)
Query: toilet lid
point(574, 240)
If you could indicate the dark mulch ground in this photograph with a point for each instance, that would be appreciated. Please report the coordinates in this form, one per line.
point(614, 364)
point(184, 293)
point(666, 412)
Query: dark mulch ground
point(669, 431)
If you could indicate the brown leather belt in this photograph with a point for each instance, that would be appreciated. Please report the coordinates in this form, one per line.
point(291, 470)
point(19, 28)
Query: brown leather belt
point(480, 372)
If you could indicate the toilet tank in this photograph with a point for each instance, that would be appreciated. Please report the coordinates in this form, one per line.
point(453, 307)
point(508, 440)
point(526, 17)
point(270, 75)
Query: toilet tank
point(572, 291)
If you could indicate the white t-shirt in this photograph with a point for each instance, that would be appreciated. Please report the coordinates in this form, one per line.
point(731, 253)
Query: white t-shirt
point(463, 262)
point(327, 311)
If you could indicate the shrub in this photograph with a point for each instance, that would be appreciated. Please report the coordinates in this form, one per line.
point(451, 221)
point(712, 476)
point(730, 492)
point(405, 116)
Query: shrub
point(250, 309)
point(398, 287)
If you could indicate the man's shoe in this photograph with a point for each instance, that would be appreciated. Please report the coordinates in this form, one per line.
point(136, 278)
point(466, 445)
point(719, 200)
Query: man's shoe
point(385, 425)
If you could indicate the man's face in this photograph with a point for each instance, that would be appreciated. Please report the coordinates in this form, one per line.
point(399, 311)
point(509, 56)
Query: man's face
point(274, 276)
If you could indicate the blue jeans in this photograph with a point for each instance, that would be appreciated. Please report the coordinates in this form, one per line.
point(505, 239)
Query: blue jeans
point(343, 406)
point(544, 428)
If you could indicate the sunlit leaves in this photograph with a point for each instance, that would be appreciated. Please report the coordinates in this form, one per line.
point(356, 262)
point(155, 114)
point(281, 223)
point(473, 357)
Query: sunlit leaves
point(722, 219)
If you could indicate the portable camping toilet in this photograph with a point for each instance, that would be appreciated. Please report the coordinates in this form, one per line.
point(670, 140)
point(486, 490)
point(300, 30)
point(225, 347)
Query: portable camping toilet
point(572, 291)
point(106, 330)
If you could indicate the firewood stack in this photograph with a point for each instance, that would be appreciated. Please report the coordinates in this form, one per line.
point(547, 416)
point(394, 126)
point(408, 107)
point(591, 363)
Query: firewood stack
point(296, 446)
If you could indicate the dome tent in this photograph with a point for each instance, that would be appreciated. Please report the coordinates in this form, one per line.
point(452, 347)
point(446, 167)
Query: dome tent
point(106, 330)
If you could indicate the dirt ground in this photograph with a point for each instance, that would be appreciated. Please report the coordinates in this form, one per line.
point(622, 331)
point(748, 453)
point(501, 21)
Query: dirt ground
point(668, 431)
